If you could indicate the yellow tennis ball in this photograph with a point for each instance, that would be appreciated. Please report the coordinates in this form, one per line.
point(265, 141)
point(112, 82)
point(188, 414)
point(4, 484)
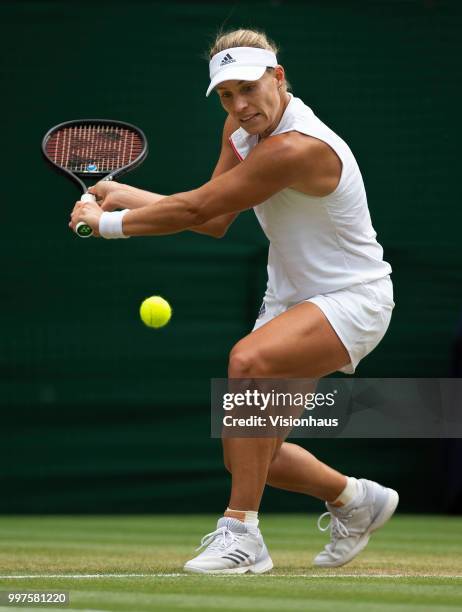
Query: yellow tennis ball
point(155, 311)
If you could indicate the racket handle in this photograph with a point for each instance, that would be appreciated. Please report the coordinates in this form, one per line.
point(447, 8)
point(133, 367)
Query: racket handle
point(82, 229)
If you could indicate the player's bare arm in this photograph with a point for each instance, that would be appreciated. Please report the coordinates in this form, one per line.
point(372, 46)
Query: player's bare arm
point(113, 196)
point(286, 160)
point(281, 161)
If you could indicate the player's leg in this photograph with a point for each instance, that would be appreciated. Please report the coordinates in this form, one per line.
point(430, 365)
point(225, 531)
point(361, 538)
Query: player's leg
point(301, 343)
point(248, 460)
point(291, 467)
point(295, 469)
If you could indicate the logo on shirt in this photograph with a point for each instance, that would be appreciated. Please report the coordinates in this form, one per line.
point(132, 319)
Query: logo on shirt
point(228, 59)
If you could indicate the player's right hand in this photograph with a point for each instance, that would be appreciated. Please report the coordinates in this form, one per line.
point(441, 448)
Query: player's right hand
point(110, 195)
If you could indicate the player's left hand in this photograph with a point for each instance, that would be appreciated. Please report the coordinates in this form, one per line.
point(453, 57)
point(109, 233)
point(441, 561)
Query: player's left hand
point(89, 213)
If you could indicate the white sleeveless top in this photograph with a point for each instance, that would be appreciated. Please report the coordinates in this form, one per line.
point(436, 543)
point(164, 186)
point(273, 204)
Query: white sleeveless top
point(317, 244)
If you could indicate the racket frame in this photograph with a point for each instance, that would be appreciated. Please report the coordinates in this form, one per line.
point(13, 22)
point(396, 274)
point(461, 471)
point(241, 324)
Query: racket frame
point(108, 176)
point(76, 176)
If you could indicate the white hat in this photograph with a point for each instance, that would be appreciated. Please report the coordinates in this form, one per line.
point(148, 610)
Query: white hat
point(240, 64)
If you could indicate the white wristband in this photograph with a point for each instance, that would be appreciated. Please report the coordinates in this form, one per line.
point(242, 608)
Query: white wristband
point(110, 224)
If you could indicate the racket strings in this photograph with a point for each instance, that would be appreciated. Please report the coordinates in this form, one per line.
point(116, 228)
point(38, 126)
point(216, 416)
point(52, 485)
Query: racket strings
point(94, 148)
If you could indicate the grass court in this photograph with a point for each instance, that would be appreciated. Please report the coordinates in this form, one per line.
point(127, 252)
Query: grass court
point(133, 564)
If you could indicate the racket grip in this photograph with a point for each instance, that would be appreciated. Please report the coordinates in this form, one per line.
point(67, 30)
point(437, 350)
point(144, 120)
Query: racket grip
point(82, 229)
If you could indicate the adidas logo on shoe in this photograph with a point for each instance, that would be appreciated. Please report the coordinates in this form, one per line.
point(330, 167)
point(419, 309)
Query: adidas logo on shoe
point(233, 548)
point(227, 60)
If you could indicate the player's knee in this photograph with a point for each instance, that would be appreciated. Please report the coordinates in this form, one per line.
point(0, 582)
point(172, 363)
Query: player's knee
point(246, 362)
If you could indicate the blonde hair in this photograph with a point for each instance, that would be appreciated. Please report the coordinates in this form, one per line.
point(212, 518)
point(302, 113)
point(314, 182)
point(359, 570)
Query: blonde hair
point(241, 38)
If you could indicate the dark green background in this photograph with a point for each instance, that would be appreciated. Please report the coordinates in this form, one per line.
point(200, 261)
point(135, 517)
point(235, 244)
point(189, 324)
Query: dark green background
point(102, 414)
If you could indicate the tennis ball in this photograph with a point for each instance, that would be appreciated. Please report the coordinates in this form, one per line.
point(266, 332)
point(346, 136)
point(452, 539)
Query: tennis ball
point(155, 311)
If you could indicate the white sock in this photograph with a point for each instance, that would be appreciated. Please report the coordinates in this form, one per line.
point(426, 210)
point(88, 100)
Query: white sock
point(246, 516)
point(349, 492)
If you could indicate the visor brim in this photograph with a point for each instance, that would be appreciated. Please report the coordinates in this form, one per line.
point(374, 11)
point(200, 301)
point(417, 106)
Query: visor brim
point(236, 73)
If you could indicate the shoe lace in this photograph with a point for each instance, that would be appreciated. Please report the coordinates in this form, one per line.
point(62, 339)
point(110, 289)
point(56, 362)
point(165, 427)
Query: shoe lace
point(338, 528)
point(220, 538)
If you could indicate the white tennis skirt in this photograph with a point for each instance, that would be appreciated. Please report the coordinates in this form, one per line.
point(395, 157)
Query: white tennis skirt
point(360, 316)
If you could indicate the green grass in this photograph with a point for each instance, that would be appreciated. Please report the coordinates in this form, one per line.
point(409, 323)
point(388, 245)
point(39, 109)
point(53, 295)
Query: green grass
point(414, 563)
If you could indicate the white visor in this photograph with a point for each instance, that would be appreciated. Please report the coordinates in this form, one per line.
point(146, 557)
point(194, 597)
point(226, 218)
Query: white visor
point(240, 64)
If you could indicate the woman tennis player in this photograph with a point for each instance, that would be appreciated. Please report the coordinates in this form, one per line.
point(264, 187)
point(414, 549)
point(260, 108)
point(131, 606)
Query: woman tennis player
point(328, 300)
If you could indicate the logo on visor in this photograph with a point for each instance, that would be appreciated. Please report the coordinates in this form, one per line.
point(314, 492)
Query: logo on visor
point(227, 60)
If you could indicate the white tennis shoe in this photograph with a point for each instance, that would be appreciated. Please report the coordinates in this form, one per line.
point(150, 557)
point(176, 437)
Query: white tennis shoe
point(352, 525)
point(233, 548)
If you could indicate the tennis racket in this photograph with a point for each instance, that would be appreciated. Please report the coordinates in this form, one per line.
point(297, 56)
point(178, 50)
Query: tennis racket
point(89, 149)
